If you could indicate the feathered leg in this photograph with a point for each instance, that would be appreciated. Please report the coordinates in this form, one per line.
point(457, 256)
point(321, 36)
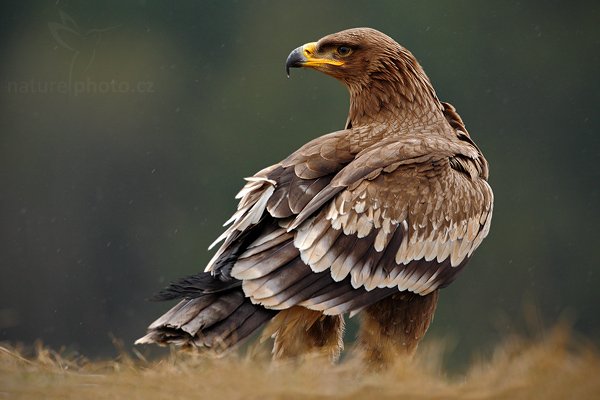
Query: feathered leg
point(299, 331)
point(393, 327)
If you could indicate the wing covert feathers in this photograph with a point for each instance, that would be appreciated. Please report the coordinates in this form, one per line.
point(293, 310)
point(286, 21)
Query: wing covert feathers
point(404, 213)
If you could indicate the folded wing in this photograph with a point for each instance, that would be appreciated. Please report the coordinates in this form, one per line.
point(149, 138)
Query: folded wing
point(335, 230)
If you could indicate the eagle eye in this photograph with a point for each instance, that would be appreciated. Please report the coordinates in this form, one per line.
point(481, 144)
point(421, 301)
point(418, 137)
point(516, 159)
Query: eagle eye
point(343, 50)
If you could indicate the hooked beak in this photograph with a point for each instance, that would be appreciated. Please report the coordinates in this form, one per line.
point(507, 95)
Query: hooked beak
point(305, 56)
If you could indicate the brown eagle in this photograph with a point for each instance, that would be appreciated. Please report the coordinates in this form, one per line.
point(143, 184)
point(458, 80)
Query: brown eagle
point(374, 218)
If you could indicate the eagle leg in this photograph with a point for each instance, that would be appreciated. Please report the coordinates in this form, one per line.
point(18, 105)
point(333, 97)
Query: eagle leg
point(393, 327)
point(300, 332)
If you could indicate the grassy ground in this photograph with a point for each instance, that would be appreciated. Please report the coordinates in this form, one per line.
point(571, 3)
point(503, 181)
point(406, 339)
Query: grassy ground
point(550, 368)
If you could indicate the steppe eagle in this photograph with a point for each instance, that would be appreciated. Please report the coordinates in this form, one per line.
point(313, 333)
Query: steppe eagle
point(374, 218)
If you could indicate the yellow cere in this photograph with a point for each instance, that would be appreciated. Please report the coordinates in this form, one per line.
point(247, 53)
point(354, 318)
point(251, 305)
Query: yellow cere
point(309, 50)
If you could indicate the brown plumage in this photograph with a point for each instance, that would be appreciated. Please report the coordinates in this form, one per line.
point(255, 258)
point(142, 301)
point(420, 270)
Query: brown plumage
point(374, 218)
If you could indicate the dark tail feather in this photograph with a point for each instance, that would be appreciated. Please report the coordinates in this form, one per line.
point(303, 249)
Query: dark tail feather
point(238, 326)
point(214, 314)
point(195, 286)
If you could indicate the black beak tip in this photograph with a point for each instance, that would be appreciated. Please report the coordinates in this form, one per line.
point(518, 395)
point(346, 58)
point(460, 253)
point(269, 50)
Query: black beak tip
point(295, 60)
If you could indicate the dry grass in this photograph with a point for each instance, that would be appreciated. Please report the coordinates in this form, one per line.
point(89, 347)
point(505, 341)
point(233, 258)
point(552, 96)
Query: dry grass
point(550, 368)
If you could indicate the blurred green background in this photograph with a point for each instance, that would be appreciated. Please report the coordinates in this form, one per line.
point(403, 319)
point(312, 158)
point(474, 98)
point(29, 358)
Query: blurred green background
point(126, 129)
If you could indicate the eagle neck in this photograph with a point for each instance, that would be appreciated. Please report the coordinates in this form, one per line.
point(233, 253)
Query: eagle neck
point(394, 98)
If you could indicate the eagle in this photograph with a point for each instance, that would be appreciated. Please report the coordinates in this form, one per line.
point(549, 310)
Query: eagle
point(372, 219)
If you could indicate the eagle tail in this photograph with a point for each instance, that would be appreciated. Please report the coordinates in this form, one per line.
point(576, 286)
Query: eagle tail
point(213, 314)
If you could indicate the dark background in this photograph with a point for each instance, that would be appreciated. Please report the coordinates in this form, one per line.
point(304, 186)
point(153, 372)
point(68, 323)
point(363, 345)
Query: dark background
point(126, 129)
